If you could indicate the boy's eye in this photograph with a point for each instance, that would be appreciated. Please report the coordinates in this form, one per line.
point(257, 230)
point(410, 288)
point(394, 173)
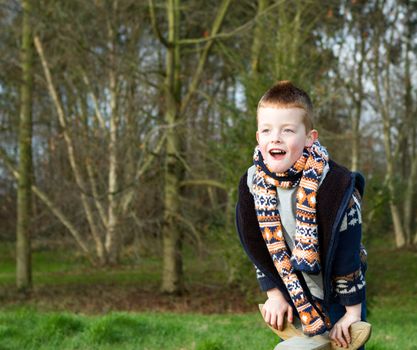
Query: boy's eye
point(288, 130)
point(264, 130)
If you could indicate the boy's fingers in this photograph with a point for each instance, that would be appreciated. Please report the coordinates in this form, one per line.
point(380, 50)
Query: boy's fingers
point(276, 319)
point(267, 317)
point(280, 321)
point(335, 336)
point(346, 334)
point(340, 338)
point(289, 314)
point(273, 321)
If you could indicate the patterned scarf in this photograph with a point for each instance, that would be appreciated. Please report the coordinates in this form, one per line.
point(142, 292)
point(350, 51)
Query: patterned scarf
point(306, 174)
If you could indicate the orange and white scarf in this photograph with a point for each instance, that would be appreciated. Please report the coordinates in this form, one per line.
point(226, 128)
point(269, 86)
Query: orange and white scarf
point(306, 174)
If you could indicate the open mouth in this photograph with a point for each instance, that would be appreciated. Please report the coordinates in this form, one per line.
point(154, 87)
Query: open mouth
point(277, 153)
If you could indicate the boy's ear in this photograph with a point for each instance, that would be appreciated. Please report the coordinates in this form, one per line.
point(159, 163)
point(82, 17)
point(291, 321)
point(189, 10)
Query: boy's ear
point(312, 136)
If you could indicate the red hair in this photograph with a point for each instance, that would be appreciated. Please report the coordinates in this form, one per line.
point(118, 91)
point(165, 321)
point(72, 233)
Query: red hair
point(286, 95)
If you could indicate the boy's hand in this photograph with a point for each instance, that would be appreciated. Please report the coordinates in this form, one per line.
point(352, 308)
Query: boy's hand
point(275, 308)
point(340, 331)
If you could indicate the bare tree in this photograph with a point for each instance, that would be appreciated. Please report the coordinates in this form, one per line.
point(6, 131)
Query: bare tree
point(24, 197)
point(176, 105)
point(392, 83)
point(97, 111)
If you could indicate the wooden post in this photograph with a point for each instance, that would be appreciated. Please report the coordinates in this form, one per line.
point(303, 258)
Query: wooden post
point(303, 343)
point(294, 339)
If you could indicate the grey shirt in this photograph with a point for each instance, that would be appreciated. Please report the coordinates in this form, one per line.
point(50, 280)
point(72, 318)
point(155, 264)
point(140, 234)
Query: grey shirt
point(286, 199)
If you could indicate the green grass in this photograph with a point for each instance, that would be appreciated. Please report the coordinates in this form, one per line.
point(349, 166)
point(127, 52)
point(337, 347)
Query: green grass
point(392, 301)
point(392, 298)
point(392, 273)
point(28, 329)
point(62, 267)
point(393, 328)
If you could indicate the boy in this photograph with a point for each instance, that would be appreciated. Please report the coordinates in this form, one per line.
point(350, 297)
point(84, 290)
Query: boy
point(298, 219)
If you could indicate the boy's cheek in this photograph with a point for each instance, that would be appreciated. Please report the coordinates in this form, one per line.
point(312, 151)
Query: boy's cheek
point(264, 154)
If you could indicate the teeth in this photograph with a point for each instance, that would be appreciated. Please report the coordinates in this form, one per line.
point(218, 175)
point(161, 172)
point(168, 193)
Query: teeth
point(277, 152)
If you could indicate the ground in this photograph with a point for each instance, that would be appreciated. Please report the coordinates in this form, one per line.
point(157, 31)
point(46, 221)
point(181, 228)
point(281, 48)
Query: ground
point(113, 297)
point(88, 305)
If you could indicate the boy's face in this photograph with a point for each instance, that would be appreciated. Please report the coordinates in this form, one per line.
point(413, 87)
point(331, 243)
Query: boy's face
point(282, 136)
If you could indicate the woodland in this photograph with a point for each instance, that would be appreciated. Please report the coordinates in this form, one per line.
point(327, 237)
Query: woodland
point(126, 125)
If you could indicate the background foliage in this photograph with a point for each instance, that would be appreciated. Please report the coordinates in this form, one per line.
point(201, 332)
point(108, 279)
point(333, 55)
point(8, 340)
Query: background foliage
point(144, 119)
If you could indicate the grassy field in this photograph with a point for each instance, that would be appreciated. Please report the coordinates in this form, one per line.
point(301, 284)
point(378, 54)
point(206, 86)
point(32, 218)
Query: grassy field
point(29, 329)
point(33, 323)
point(392, 298)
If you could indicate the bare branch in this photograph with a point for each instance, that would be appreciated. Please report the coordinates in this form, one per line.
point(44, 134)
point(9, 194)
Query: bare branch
point(155, 27)
point(52, 207)
point(98, 114)
point(203, 58)
point(204, 182)
point(70, 147)
point(243, 27)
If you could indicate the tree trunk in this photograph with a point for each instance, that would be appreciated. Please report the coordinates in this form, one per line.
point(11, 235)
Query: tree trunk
point(408, 202)
point(24, 197)
point(172, 277)
point(112, 239)
point(409, 160)
point(355, 137)
point(383, 106)
point(175, 108)
point(357, 98)
point(395, 210)
point(257, 40)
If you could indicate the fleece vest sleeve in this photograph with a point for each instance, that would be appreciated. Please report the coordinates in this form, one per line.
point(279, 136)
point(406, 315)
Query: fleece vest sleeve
point(253, 243)
point(348, 269)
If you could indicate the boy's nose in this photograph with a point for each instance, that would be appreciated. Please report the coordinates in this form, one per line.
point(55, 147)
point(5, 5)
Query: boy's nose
point(276, 137)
